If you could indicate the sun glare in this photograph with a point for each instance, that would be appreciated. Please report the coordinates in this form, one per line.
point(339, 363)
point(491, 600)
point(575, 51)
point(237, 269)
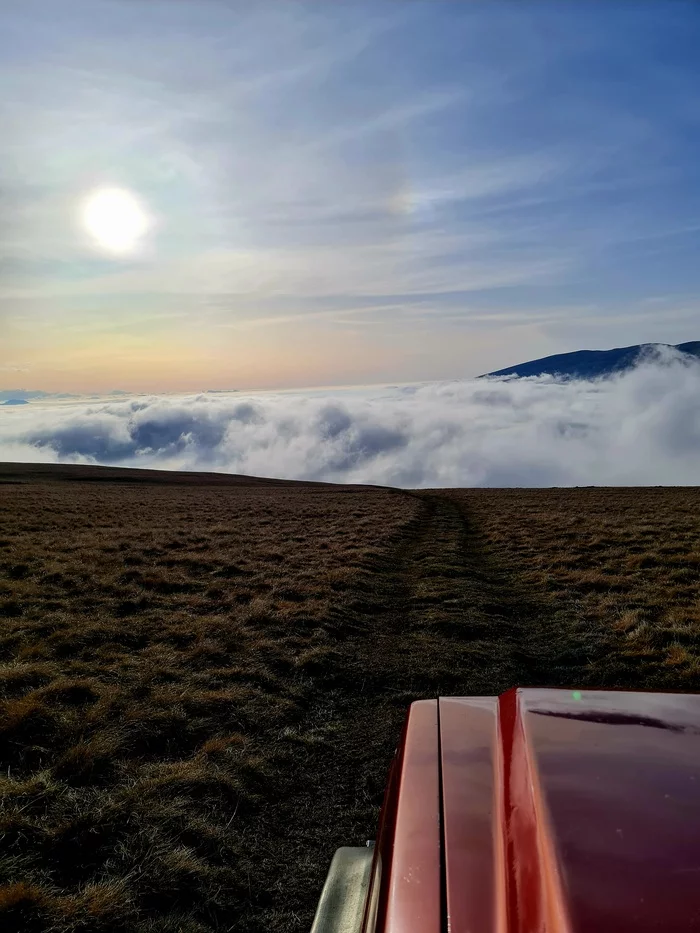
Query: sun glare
point(115, 219)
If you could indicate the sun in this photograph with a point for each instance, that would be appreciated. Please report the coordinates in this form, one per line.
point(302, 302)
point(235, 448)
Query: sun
point(116, 219)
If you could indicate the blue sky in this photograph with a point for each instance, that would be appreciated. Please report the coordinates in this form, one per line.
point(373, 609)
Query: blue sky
point(343, 192)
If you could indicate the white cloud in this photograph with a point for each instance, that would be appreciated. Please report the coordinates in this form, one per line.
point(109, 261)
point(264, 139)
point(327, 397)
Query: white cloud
point(641, 428)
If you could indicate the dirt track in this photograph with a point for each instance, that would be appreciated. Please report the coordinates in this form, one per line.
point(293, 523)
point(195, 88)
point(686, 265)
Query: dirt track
point(441, 619)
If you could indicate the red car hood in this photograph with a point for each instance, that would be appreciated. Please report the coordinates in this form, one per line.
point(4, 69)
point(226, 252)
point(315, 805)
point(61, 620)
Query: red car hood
point(542, 811)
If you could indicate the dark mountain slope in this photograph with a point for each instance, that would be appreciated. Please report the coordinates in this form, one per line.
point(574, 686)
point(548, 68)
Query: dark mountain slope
point(594, 364)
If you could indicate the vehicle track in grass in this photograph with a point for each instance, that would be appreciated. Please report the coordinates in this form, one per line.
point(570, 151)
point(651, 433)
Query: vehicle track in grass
point(440, 617)
point(453, 620)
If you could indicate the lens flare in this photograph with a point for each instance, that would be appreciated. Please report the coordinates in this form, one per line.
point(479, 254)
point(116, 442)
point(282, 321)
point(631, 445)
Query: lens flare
point(115, 219)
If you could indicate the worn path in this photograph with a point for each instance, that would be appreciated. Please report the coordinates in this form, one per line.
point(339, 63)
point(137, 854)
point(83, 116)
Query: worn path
point(438, 617)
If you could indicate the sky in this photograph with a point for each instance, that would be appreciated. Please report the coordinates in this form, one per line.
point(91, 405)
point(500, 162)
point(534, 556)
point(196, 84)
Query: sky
point(323, 194)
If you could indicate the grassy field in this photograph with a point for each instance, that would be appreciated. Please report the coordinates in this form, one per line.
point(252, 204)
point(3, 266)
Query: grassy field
point(203, 678)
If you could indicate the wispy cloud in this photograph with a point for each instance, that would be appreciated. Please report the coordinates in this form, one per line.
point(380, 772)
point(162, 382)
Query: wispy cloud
point(351, 162)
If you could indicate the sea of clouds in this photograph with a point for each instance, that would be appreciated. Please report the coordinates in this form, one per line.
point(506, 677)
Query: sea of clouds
point(639, 428)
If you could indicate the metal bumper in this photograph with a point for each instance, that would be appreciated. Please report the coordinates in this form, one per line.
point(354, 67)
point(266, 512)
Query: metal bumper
point(342, 904)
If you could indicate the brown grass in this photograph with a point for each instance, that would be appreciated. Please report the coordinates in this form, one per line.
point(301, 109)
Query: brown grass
point(622, 566)
point(202, 679)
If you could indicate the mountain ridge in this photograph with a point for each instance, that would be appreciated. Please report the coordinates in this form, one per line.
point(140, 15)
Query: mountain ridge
point(595, 364)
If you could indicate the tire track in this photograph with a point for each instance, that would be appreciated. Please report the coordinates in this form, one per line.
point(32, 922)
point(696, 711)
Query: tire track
point(437, 616)
point(451, 621)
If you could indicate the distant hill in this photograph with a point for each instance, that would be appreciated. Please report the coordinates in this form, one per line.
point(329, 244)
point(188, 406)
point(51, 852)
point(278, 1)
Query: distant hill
point(16, 401)
point(14, 473)
point(26, 395)
point(594, 364)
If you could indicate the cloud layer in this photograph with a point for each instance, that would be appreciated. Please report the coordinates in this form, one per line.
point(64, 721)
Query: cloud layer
point(641, 428)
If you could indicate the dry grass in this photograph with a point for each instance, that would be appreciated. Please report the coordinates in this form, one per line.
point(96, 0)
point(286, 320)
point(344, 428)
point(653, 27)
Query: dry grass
point(157, 654)
point(622, 565)
point(202, 678)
